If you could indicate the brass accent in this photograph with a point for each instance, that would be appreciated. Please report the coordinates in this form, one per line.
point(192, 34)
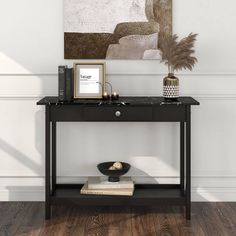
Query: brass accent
point(103, 64)
point(170, 80)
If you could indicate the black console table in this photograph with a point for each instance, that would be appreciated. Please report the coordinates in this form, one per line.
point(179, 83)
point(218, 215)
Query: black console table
point(126, 109)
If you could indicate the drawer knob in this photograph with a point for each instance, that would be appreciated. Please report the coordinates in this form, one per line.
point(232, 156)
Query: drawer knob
point(118, 113)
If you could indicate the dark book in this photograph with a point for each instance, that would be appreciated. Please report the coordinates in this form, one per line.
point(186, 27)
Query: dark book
point(62, 83)
point(69, 84)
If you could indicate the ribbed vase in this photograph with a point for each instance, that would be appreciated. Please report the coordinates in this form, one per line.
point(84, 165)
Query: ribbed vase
point(170, 87)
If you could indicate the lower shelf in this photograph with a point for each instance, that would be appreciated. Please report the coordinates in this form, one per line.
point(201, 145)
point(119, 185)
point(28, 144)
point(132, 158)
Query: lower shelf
point(144, 195)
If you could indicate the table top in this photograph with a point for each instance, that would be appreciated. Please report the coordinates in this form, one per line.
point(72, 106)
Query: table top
point(125, 101)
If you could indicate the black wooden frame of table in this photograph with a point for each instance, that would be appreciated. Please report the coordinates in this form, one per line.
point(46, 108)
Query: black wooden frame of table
point(126, 109)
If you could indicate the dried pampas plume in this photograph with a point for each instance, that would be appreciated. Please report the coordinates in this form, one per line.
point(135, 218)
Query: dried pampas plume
point(178, 55)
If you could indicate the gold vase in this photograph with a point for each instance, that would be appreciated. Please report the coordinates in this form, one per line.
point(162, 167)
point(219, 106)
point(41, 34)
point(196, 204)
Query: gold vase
point(170, 87)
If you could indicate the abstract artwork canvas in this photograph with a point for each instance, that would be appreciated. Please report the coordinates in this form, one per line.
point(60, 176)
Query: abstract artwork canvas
point(115, 29)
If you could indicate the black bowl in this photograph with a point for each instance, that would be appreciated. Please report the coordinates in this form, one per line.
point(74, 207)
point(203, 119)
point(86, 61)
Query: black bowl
point(114, 175)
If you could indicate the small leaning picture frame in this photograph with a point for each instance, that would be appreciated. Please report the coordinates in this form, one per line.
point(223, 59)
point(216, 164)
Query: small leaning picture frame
point(89, 80)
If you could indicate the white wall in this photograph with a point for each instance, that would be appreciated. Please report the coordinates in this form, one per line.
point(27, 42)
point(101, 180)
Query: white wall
point(31, 48)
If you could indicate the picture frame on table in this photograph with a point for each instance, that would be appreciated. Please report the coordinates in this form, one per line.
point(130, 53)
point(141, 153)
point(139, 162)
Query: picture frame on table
point(89, 80)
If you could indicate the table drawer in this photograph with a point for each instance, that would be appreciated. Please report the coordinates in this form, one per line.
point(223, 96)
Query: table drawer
point(117, 114)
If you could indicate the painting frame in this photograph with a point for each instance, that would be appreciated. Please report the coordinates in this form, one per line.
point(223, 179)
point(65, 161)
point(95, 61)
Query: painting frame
point(89, 80)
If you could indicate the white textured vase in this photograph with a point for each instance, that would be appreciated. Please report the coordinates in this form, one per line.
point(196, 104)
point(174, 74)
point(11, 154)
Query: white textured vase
point(170, 87)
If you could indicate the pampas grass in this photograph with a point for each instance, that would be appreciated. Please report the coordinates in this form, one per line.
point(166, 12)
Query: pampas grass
point(178, 55)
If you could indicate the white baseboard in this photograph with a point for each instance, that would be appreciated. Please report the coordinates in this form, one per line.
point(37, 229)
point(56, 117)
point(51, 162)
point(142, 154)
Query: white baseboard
point(213, 194)
point(22, 195)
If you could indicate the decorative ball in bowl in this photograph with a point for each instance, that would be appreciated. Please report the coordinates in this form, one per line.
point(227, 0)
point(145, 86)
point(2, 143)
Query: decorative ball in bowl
point(113, 170)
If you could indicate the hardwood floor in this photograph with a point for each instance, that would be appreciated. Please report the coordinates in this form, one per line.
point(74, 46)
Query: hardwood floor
point(27, 218)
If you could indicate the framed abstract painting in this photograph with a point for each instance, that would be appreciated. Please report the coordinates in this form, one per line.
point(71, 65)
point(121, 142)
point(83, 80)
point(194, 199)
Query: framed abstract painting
point(115, 29)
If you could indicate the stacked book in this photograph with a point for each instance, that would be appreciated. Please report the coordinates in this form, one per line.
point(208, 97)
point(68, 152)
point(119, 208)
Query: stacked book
point(101, 186)
point(65, 83)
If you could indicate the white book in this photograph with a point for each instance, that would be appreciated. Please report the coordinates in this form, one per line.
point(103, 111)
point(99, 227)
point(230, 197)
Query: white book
point(103, 183)
point(117, 192)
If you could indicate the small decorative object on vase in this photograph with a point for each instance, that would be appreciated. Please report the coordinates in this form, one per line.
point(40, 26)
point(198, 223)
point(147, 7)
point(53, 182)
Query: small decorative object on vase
point(177, 56)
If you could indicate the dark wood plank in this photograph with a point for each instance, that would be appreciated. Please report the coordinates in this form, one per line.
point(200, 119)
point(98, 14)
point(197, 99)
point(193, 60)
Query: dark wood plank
point(143, 224)
point(75, 222)
point(119, 223)
point(208, 219)
point(7, 212)
point(96, 223)
point(56, 225)
point(227, 217)
point(165, 223)
point(32, 222)
point(186, 227)
point(14, 218)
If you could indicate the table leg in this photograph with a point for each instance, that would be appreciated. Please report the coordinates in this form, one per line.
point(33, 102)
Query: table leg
point(188, 164)
point(54, 155)
point(47, 164)
point(182, 155)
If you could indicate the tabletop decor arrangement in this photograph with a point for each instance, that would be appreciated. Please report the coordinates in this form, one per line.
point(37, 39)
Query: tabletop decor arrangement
point(177, 55)
point(84, 81)
point(114, 184)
